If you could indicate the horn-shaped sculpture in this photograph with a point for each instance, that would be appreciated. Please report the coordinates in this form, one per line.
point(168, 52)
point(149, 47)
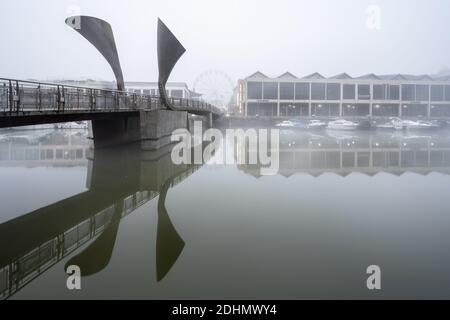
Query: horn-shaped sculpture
point(169, 244)
point(99, 33)
point(170, 51)
point(97, 256)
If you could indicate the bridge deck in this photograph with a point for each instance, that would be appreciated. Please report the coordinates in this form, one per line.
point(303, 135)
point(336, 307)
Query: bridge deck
point(28, 102)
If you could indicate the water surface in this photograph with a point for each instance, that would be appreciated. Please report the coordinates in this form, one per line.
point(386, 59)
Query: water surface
point(142, 227)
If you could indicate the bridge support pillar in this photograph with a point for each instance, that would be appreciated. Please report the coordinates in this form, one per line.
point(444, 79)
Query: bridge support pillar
point(157, 127)
point(153, 128)
point(115, 131)
point(210, 120)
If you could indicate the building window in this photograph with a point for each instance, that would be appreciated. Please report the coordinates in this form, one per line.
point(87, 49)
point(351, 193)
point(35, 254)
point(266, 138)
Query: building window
point(349, 91)
point(385, 110)
point(146, 91)
point(294, 109)
point(302, 91)
point(379, 91)
point(333, 91)
point(356, 110)
point(363, 92)
point(394, 92)
point(414, 110)
point(256, 109)
point(348, 159)
point(437, 93)
point(287, 91)
point(270, 90)
point(177, 93)
point(325, 109)
point(422, 92)
point(254, 90)
point(318, 91)
point(442, 110)
point(408, 92)
point(447, 93)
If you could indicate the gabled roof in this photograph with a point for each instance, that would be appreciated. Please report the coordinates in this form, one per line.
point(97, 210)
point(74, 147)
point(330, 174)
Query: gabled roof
point(341, 76)
point(258, 75)
point(387, 76)
point(287, 75)
point(314, 75)
point(402, 76)
point(369, 76)
point(424, 77)
point(343, 174)
point(443, 78)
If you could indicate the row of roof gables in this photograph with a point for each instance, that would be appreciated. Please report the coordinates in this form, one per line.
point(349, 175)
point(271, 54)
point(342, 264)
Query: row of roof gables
point(370, 76)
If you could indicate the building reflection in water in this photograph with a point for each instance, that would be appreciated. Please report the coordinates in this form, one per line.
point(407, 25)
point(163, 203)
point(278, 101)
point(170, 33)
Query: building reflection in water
point(365, 152)
point(119, 181)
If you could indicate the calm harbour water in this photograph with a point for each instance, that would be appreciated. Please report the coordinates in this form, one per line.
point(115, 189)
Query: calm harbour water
point(141, 227)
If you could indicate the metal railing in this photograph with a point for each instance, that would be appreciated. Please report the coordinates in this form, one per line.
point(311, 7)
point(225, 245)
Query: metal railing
point(19, 97)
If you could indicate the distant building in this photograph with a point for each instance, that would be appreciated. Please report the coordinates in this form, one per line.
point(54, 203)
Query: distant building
point(174, 89)
point(344, 96)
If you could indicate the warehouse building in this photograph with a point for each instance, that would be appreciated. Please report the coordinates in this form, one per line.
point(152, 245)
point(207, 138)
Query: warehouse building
point(381, 96)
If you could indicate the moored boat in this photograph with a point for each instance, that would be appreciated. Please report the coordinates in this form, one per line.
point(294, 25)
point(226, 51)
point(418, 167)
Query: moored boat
point(316, 124)
point(342, 124)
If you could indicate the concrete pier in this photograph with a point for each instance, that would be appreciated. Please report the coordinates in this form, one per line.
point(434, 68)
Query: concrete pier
point(156, 127)
point(152, 128)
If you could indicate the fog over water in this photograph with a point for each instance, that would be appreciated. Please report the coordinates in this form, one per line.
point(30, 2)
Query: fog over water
point(237, 37)
point(141, 227)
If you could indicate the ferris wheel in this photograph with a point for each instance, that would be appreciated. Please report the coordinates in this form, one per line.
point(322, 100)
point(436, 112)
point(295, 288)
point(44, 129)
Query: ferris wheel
point(215, 86)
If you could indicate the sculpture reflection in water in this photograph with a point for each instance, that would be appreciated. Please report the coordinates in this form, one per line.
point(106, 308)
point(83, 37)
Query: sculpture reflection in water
point(119, 182)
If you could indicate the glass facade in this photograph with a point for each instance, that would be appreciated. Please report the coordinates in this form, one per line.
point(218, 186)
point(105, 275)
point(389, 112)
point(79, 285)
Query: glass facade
point(325, 109)
point(437, 93)
point(177, 93)
point(394, 92)
point(408, 92)
point(442, 110)
point(287, 91)
point(349, 91)
point(379, 92)
point(254, 90)
point(302, 91)
point(385, 110)
point(257, 109)
point(334, 98)
point(356, 110)
point(422, 92)
point(414, 110)
point(270, 90)
point(294, 109)
point(363, 92)
point(447, 93)
point(386, 92)
point(318, 91)
point(333, 91)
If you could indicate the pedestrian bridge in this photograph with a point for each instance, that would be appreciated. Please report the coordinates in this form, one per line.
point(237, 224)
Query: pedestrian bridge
point(117, 116)
point(27, 103)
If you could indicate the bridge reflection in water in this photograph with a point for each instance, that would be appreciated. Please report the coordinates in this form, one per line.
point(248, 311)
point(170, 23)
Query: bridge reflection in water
point(119, 181)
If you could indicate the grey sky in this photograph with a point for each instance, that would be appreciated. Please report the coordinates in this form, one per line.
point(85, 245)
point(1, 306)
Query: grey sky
point(235, 36)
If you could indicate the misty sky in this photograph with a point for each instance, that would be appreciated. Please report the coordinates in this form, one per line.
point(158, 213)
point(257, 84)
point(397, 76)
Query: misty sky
point(235, 36)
